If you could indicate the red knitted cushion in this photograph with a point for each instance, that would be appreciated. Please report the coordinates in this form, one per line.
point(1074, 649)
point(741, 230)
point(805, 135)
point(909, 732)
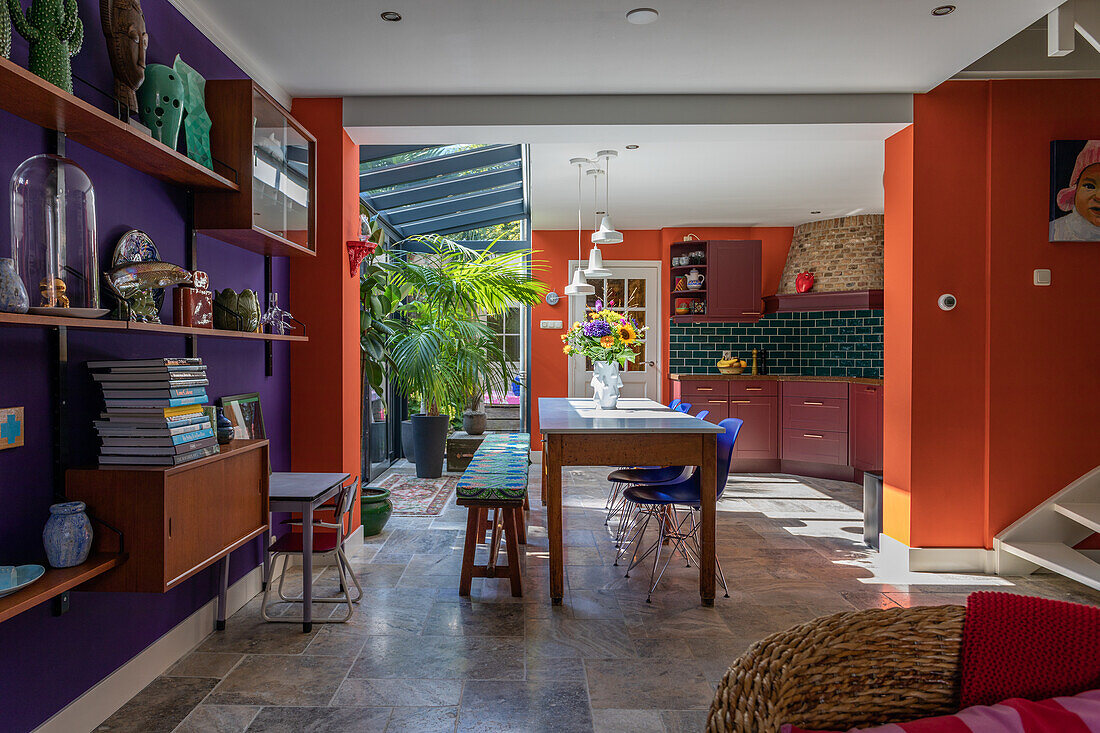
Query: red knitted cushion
point(1022, 646)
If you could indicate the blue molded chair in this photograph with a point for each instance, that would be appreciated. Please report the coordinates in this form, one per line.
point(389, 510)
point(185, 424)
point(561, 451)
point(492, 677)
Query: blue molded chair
point(702, 414)
point(657, 501)
point(684, 407)
point(674, 404)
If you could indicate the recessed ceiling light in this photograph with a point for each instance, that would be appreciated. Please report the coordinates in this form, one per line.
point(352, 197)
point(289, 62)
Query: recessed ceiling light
point(631, 147)
point(943, 10)
point(642, 16)
point(391, 15)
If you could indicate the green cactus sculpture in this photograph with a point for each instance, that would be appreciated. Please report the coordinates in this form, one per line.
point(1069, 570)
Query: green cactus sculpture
point(5, 33)
point(55, 33)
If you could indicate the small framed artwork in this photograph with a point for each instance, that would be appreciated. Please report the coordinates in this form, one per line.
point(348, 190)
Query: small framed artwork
point(1075, 191)
point(243, 410)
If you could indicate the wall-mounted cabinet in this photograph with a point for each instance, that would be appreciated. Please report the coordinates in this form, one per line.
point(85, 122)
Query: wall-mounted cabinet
point(730, 288)
point(274, 212)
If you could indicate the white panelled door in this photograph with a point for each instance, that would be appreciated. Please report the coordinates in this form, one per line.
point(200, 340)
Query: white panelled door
point(634, 288)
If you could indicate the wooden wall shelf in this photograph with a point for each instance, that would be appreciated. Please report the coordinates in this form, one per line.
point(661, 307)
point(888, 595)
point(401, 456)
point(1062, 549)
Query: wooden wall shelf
point(55, 582)
point(36, 100)
point(260, 241)
point(844, 301)
point(20, 319)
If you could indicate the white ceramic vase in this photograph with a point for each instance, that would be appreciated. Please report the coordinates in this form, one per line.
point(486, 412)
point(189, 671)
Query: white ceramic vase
point(606, 384)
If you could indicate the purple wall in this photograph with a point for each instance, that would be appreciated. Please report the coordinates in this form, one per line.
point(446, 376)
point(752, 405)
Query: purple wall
point(47, 662)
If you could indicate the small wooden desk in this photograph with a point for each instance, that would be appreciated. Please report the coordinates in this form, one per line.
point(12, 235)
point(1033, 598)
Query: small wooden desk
point(302, 492)
point(639, 432)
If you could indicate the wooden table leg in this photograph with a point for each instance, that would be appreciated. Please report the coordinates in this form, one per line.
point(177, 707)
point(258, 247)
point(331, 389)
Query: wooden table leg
point(708, 494)
point(307, 567)
point(551, 486)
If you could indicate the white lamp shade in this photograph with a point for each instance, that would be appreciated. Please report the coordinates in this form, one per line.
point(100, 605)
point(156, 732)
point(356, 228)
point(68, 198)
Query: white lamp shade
point(606, 234)
point(595, 265)
point(579, 286)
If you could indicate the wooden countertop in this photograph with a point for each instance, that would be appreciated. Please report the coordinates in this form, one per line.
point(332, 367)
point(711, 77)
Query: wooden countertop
point(770, 378)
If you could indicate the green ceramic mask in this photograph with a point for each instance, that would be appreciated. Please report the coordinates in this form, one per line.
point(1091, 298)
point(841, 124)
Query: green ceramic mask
point(161, 101)
point(196, 123)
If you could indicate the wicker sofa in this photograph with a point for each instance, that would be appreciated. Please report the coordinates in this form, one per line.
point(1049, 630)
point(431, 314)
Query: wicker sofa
point(851, 669)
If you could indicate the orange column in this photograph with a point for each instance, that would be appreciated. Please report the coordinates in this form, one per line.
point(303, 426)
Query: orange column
point(325, 385)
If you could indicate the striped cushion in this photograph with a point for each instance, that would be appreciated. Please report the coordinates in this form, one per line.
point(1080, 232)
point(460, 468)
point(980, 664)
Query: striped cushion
point(1077, 714)
point(498, 471)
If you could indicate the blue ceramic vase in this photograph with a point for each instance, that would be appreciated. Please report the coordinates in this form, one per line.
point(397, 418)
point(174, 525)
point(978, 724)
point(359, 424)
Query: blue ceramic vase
point(225, 428)
point(68, 535)
point(13, 295)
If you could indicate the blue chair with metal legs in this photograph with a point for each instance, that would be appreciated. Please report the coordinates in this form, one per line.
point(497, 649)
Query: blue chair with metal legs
point(674, 404)
point(658, 501)
point(684, 407)
point(702, 414)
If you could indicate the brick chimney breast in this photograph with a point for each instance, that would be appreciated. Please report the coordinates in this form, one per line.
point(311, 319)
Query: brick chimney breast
point(844, 254)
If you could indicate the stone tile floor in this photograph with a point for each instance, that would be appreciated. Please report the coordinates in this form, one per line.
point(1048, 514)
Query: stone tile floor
point(417, 657)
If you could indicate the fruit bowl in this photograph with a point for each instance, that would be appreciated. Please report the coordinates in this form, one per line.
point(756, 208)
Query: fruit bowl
point(732, 366)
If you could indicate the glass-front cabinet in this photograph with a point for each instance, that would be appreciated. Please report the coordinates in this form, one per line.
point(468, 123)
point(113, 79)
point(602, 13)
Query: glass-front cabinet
point(257, 144)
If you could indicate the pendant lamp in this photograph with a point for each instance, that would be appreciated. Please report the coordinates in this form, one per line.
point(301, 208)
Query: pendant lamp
point(579, 287)
point(606, 234)
point(595, 257)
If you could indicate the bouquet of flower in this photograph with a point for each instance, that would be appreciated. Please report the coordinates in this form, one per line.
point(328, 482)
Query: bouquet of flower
point(604, 335)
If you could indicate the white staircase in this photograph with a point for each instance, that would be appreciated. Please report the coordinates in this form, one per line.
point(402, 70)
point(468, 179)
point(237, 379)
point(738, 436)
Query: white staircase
point(1045, 536)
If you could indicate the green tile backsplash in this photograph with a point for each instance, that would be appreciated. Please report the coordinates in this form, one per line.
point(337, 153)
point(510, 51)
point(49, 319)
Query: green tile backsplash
point(817, 343)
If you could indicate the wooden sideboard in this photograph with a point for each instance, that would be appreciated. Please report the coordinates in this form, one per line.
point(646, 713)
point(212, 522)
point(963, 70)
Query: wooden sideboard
point(176, 520)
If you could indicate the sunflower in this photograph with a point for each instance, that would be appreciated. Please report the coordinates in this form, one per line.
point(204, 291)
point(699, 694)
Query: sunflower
point(607, 342)
point(626, 333)
point(567, 349)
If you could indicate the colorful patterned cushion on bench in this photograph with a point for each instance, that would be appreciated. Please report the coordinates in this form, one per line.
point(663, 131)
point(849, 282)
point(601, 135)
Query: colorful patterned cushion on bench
point(502, 488)
point(498, 470)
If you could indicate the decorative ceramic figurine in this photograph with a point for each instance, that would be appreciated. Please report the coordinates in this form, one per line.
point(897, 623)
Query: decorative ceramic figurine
point(804, 282)
point(161, 103)
point(136, 284)
point(53, 293)
point(5, 32)
point(55, 34)
point(248, 305)
point(13, 294)
point(196, 122)
point(193, 305)
point(276, 317)
point(124, 26)
point(237, 311)
point(67, 535)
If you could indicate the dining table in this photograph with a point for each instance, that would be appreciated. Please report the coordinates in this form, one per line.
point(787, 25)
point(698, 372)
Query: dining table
point(575, 432)
point(302, 492)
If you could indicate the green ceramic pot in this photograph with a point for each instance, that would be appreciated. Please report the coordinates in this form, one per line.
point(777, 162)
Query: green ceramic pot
point(375, 509)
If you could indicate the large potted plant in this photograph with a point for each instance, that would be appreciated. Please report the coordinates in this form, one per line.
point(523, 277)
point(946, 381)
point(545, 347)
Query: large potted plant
point(441, 347)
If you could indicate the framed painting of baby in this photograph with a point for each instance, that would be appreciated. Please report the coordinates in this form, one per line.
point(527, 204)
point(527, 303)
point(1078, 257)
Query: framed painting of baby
point(1075, 191)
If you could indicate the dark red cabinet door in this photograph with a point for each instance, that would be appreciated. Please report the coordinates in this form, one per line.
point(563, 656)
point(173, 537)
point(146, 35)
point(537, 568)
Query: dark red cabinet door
point(759, 436)
point(865, 426)
point(717, 409)
point(733, 280)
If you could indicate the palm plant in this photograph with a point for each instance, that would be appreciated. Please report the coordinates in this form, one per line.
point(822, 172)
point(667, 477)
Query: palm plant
point(441, 348)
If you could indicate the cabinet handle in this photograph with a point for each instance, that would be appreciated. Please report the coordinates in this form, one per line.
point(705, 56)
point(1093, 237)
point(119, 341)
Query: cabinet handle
point(819, 404)
point(169, 528)
point(740, 402)
point(717, 402)
point(754, 389)
point(811, 435)
point(705, 389)
point(751, 313)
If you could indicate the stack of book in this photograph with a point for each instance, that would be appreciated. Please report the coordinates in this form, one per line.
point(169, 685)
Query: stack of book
point(154, 412)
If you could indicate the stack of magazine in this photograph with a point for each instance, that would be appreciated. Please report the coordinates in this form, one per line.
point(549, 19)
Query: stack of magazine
point(154, 412)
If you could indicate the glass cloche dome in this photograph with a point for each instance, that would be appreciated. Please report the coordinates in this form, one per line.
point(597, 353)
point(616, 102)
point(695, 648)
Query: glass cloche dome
point(53, 237)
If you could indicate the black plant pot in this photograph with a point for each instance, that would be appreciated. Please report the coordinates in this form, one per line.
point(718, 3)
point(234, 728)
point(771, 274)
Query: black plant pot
point(407, 445)
point(430, 439)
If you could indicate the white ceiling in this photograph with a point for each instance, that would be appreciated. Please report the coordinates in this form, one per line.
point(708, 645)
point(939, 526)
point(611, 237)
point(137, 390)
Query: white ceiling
point(342, 47)
point(747, 176)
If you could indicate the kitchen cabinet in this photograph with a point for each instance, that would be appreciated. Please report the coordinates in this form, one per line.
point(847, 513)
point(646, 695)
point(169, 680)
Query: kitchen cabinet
point(731, 286)
point(759, 436)
point(176, 520)
point(865, 427)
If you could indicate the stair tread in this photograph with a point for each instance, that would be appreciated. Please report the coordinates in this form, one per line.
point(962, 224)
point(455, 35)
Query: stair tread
point(1086, 513)
point(1060, 558)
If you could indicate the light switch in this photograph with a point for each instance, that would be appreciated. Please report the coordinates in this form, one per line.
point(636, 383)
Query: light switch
point(551, 325)
point(1041, 277)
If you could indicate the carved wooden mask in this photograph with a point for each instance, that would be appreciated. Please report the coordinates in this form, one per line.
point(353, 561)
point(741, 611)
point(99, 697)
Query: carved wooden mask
point(127, 40)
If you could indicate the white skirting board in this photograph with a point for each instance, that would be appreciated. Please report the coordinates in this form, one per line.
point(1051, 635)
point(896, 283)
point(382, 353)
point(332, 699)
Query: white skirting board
point(89, 710)
point(536, 456)
point(935, 559)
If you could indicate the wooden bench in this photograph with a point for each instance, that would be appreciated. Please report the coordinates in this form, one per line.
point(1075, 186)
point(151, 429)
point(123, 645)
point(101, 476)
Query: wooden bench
point(495, 480)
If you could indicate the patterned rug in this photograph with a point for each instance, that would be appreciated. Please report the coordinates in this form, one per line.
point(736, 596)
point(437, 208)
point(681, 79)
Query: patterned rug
point(418, 497)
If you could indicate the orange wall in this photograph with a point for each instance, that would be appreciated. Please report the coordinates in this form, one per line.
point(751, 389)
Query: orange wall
point(325, 391)
point(549, 366)
point(1002, 386)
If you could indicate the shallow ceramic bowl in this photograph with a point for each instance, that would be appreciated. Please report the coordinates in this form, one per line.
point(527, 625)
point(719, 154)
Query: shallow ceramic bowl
point(23, 576)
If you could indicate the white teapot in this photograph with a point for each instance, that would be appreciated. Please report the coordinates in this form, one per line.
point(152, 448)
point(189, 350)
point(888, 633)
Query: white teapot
point(695, 280)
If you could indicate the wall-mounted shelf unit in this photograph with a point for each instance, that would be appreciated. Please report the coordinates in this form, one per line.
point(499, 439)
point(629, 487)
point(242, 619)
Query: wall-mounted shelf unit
point(55, 582)
point(36, 100)
point(274, 212)
point(735, 265)
point(843, 301)
point(18, 319)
